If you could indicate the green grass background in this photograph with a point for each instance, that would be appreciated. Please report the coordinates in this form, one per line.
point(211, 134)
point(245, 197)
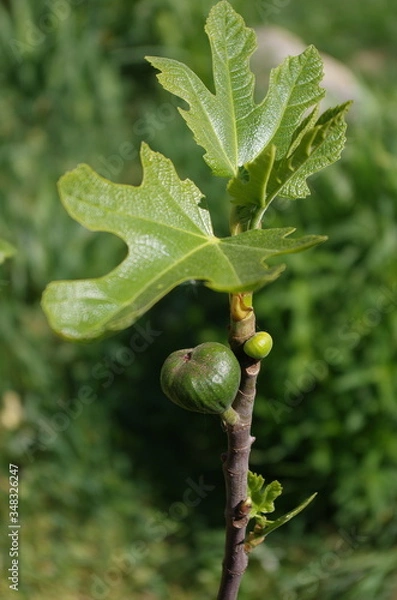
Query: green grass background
point(105, 461)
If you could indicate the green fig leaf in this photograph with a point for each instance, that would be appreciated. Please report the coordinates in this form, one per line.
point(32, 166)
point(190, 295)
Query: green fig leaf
point(251, 188)
point(319, 147)
point(170, 240)
point(315, 145)
point(273, 525)
point(262, 497)
point(6, 250)
point(229, 125)
point(264, 526)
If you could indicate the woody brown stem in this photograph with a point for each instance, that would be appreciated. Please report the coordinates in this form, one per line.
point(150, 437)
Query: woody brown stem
point(236, 461)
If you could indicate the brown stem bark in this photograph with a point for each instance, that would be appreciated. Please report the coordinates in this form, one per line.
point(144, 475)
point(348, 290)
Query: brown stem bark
point(235, 464)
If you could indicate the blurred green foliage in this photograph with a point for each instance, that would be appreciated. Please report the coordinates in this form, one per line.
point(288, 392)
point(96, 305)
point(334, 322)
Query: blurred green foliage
point(105, 460)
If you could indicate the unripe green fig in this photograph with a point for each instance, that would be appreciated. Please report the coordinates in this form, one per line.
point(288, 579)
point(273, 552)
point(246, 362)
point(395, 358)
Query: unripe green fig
point(203, 379)
point(259, 345)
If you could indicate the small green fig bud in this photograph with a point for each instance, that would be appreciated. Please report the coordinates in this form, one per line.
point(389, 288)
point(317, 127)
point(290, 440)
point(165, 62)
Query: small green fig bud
point(203, 379)
point(259, 345)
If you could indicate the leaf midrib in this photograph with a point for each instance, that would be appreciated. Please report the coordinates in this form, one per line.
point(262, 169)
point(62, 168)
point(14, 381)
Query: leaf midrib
point(298, 170)
point(287, 104)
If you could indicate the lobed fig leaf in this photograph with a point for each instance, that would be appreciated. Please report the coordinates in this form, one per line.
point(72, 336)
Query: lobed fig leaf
point(170, 240)
point(316, 144)
point(262, 497)
point(261, 500)
point(229, 125)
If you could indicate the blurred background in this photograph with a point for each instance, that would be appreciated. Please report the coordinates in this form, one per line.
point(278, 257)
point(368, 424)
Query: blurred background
point(121, 493)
